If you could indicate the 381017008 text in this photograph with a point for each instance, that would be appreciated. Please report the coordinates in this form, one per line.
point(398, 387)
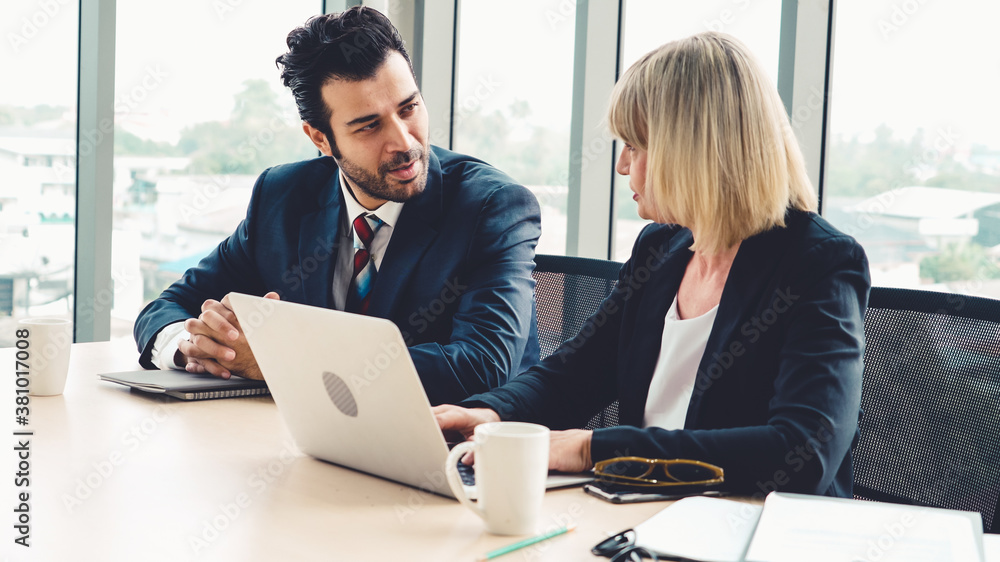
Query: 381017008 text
point(21, 371)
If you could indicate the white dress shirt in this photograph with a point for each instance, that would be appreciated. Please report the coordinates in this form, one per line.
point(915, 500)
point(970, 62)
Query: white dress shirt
point(388, 213)
point(166, 342)
point(681, 348)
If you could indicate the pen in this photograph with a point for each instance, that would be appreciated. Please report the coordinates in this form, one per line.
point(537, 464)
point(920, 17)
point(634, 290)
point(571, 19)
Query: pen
point(526, 542)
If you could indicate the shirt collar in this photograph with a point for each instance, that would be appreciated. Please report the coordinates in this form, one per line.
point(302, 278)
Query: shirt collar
point(388, 213)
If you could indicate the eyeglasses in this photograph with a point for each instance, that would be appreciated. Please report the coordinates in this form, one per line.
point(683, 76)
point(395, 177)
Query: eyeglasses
point(659, 473)
point(622, 548)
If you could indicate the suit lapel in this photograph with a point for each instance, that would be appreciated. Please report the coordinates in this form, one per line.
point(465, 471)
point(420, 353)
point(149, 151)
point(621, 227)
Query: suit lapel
point(318, 237)
point(644, 350)
point(418, 226)
point(749, 277)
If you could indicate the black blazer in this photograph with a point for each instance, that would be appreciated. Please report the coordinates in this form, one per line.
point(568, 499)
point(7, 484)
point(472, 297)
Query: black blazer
point(778, 391)
point(456, 276)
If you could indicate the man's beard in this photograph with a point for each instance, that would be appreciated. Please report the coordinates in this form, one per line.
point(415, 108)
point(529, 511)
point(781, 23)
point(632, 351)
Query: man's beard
point(380, 186)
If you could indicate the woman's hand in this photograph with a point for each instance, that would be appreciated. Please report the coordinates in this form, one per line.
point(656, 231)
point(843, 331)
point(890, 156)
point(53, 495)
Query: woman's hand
point(569, 451)
point(452, 418)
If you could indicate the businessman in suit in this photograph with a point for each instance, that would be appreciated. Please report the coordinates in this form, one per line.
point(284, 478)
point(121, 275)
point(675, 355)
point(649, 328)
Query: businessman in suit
point(382, 224)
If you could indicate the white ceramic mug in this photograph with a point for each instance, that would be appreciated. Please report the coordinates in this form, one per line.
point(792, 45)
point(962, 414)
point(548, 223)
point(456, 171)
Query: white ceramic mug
point(512, 463)
point(49, 341)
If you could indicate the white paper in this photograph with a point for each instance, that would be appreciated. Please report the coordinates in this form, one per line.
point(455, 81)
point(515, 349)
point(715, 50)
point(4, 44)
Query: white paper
point(700, 528)
point(795, 527)
point(991, 547)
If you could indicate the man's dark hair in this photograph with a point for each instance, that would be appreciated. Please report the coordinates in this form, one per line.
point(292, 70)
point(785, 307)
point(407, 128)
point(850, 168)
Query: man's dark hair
point(351, 45)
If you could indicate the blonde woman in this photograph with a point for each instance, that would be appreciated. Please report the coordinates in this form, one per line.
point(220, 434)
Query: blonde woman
point(736, 331)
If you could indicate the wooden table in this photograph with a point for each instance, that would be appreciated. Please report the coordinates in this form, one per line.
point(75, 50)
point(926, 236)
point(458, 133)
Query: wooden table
point(119, 475)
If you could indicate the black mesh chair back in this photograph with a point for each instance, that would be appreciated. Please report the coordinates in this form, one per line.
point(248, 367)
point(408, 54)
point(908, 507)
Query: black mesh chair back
point(930, 427)
point(567, 291)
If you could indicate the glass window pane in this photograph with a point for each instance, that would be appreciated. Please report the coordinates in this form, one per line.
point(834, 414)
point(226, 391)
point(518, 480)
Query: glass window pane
point(914, 157)
point(512, 108)
point(651, 23)
point(199, 114)
point(37, 161)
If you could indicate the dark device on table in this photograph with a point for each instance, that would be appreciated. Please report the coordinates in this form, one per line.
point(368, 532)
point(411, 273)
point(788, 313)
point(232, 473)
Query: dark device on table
point(636, 479)
point(618, 494)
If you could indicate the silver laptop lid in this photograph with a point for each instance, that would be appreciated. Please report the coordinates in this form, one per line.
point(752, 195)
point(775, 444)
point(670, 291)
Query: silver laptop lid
point(347, 389)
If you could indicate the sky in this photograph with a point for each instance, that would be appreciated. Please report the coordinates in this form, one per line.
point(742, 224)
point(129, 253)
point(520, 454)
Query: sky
point(177, 63)
point(937, 67)
point(526, 49)
point(905, 63)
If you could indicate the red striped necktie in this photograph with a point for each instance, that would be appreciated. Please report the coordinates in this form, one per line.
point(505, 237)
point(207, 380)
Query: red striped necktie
point(363, 279)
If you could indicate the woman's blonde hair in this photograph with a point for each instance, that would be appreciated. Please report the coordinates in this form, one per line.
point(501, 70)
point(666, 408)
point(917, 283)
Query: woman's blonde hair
point(722, 158)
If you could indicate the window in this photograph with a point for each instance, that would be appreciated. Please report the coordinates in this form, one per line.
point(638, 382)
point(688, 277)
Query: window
point(913, 166)
point(199, 113)
point(37, 139)
point(513, 97)
point(651, 23)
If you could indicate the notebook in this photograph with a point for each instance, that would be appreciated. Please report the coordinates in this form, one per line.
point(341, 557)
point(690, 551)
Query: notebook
point(187, 386)
point(700, 528)
point(794, 527)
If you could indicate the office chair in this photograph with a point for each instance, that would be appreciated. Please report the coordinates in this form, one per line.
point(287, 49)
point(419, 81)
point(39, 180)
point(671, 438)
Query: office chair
point(567, 291)
point(930, 423)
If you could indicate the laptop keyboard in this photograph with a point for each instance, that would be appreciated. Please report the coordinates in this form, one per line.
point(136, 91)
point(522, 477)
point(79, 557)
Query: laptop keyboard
point(468, 474)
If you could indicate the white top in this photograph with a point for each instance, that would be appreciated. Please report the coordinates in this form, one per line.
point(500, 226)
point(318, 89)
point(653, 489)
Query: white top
point(681, 349)
point(166, 342)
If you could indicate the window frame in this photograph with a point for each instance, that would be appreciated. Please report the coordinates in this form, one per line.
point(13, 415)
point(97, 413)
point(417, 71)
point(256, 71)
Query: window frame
point(429, 28)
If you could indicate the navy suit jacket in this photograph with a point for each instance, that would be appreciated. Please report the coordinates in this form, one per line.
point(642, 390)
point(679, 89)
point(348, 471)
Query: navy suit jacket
point(455, 278)
point(778, 391)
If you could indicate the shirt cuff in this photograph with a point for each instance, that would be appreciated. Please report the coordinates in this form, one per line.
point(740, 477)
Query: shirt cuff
point(165, 346)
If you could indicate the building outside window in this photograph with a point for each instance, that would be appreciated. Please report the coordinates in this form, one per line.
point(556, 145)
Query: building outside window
point(196, 121)
point(513, 94)
point(37, 161)
point(913, 164)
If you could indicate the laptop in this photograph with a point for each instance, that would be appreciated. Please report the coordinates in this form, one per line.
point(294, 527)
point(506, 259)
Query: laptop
point(349, 393)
